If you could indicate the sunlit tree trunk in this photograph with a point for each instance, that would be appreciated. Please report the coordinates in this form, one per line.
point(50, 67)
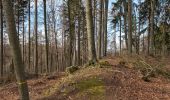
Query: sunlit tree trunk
point(90, 33)
point(100, 30)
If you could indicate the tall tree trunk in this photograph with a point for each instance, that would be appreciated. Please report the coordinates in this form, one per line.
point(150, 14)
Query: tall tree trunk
point(130, 26)
point(71, 31)
point(2, 41)
point(46, 36)
point(125, 23)
point(29, 34)
point(120, 38)
point(15, 49)
point(149, 35)
point(152, 26)
point(100, 30)
point(36, 40)
point(18, 15)
point(105, 24)
point(23, 39)
point(90, 33)
point(78, 34)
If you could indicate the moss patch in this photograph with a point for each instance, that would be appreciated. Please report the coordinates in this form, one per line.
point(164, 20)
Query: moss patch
point(93, 88)
point(89, 83)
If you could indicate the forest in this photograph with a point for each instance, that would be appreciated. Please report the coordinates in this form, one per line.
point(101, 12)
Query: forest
point(84, 49)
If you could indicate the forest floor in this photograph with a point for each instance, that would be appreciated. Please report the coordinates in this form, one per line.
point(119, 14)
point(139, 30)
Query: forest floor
point(117, 78)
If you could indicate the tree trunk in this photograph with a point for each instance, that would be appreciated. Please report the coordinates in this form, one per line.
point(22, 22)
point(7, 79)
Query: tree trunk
point(100, 30)
point(23, 39)
point(130, 26)
point(36, 40)
point(46, 37)
point(71, 31)
point(120, 38)
point(78, 34)
point(2, 41)
point(90, 33)
point(152, 27)
point(29, 34)
point(105, 24)
point(16, 52)
point(125, 23)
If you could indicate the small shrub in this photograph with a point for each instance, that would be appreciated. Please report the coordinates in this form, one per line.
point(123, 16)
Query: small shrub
point(72, 69)
point(105, 63)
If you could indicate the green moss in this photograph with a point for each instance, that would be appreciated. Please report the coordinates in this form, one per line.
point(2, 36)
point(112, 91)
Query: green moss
point(94, 93)
point(93, 88)
point(89, 83)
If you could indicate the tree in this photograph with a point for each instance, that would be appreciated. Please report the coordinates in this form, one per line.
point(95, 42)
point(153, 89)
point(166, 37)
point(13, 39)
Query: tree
point(125, 21)
point(90, 33)
point(152, 26)
point(71, 16)
point(46, 36)
point(29, 34)
point(15, 49)
point(78, 34)
point(100, 29)
point(1, 26)
point(36, 40)
point(105, 24)
point(130, 26)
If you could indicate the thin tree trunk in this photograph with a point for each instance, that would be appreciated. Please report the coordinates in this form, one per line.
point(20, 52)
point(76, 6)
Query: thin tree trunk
point(36, 39)
point(29, 34)
point(120, 38)
point(125, 23)
point(2, 41)
point(78, 34)
point(23, 39)
point(152, 27)
point(105, 31)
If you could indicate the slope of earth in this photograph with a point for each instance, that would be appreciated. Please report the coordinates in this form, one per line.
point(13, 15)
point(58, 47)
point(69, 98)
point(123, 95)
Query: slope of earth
point(36, 87)
point(114, 81)
point(111, 79)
